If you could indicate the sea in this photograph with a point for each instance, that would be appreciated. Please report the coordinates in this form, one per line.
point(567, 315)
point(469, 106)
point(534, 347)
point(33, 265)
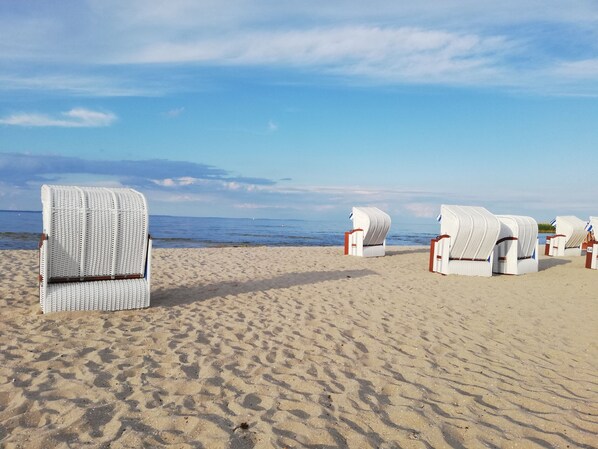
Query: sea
point(22, 229)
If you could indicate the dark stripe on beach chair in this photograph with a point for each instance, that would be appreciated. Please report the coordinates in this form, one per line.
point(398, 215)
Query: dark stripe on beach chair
point(119, 277)
point(504, 239)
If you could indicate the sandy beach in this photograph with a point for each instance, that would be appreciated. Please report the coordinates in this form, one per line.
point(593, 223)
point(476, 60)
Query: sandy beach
point(303, 347)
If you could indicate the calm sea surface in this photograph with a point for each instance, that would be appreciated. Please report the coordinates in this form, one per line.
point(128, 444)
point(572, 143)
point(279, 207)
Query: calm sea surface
point(21, 230)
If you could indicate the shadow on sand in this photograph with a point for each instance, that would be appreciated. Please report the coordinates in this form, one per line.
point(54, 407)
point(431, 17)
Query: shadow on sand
point(545, 264)
point(187, 295)
point(407, 251)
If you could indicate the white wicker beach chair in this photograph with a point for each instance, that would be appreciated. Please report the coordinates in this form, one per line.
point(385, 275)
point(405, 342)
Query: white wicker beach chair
point(466, 242)
point(516, 250)
point(368, 237)
point(95, 250)
point(570, 235)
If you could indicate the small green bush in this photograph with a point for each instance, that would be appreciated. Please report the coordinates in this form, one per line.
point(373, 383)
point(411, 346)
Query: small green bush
point(546, 228)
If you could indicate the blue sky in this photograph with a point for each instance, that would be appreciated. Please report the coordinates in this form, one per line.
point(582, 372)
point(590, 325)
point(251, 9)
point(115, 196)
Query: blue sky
point(302, 109)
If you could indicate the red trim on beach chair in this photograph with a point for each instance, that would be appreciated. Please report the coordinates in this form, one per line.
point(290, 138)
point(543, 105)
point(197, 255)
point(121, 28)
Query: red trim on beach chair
point(432, 246)
point(347, 234)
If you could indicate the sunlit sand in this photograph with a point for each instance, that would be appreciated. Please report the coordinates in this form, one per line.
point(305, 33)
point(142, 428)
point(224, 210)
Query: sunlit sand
point(303, 347)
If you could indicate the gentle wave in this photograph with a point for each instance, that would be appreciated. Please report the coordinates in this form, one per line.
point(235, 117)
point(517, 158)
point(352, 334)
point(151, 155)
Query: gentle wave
point(18, 240)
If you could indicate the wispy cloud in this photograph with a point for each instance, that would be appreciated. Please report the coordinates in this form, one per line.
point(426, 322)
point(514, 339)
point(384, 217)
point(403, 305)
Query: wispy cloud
point(422, 210)
point(84, 85)
point(191, 16)
point(192, 188)
point(585, 68)
point(385, 42)
point(187, 182)
point(22, 169)
point(173, 113)
point(75, 118)
point(391, 53)
point(272, 127)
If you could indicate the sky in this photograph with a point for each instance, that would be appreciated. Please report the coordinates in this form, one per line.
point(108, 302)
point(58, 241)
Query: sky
point(287, 109)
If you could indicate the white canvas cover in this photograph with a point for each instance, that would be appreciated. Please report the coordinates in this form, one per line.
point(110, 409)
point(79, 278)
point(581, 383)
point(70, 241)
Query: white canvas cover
point(516, 250)
point(94, 253)
point(473, 231)
point(573, 228)
point(374, 222)
point(525, 229)
point(466, 242)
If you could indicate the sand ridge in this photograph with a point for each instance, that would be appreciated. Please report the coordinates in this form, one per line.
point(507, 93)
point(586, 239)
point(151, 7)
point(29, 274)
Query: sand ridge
point(302, 347)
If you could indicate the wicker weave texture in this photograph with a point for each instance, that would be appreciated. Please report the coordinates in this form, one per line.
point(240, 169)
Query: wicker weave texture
point(43, 254)
point(98, 295)
point(95, 231)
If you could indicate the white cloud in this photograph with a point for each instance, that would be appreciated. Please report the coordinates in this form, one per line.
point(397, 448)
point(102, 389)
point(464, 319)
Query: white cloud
point(78, 85)
point(214, 184)
point(256, 206)
point(464, 42)
point(75, 118)
point(403, 53)
point(166, 182)
point(272, 127)
point(205, 189)
point(190, 15)
point(183, 181)
point(175, 112)
point(422, 210)
point(586, 68)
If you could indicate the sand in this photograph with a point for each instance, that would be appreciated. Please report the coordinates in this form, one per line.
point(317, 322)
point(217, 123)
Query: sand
point(303, 347)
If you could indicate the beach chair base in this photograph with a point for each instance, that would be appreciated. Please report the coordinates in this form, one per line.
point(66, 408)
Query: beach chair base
point(592, 256)
point(555, 246)
point(354, 245)
point(96, 295)
point(506, 260)
point(441, 263)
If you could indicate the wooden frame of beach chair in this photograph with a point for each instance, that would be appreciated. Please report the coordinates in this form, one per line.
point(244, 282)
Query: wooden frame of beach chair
point(570, 235)
point(517, 248)
point(368, 237)
point(592, 229)
point(466, 242)
point(592, 255)
point(95, 250)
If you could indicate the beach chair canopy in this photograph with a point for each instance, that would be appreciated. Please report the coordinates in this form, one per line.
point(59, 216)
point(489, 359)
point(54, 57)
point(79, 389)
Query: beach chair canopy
point(573, 228)
point(94, 233)
point(525, 229)
point(473, 231)
point(592, 226)
point(374, 222)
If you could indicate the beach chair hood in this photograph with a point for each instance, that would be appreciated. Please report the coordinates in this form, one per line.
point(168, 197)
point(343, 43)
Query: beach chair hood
point(473, 231)
point(374, 222)
point(524, 229)
point(573, 228)
point(95, 231)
